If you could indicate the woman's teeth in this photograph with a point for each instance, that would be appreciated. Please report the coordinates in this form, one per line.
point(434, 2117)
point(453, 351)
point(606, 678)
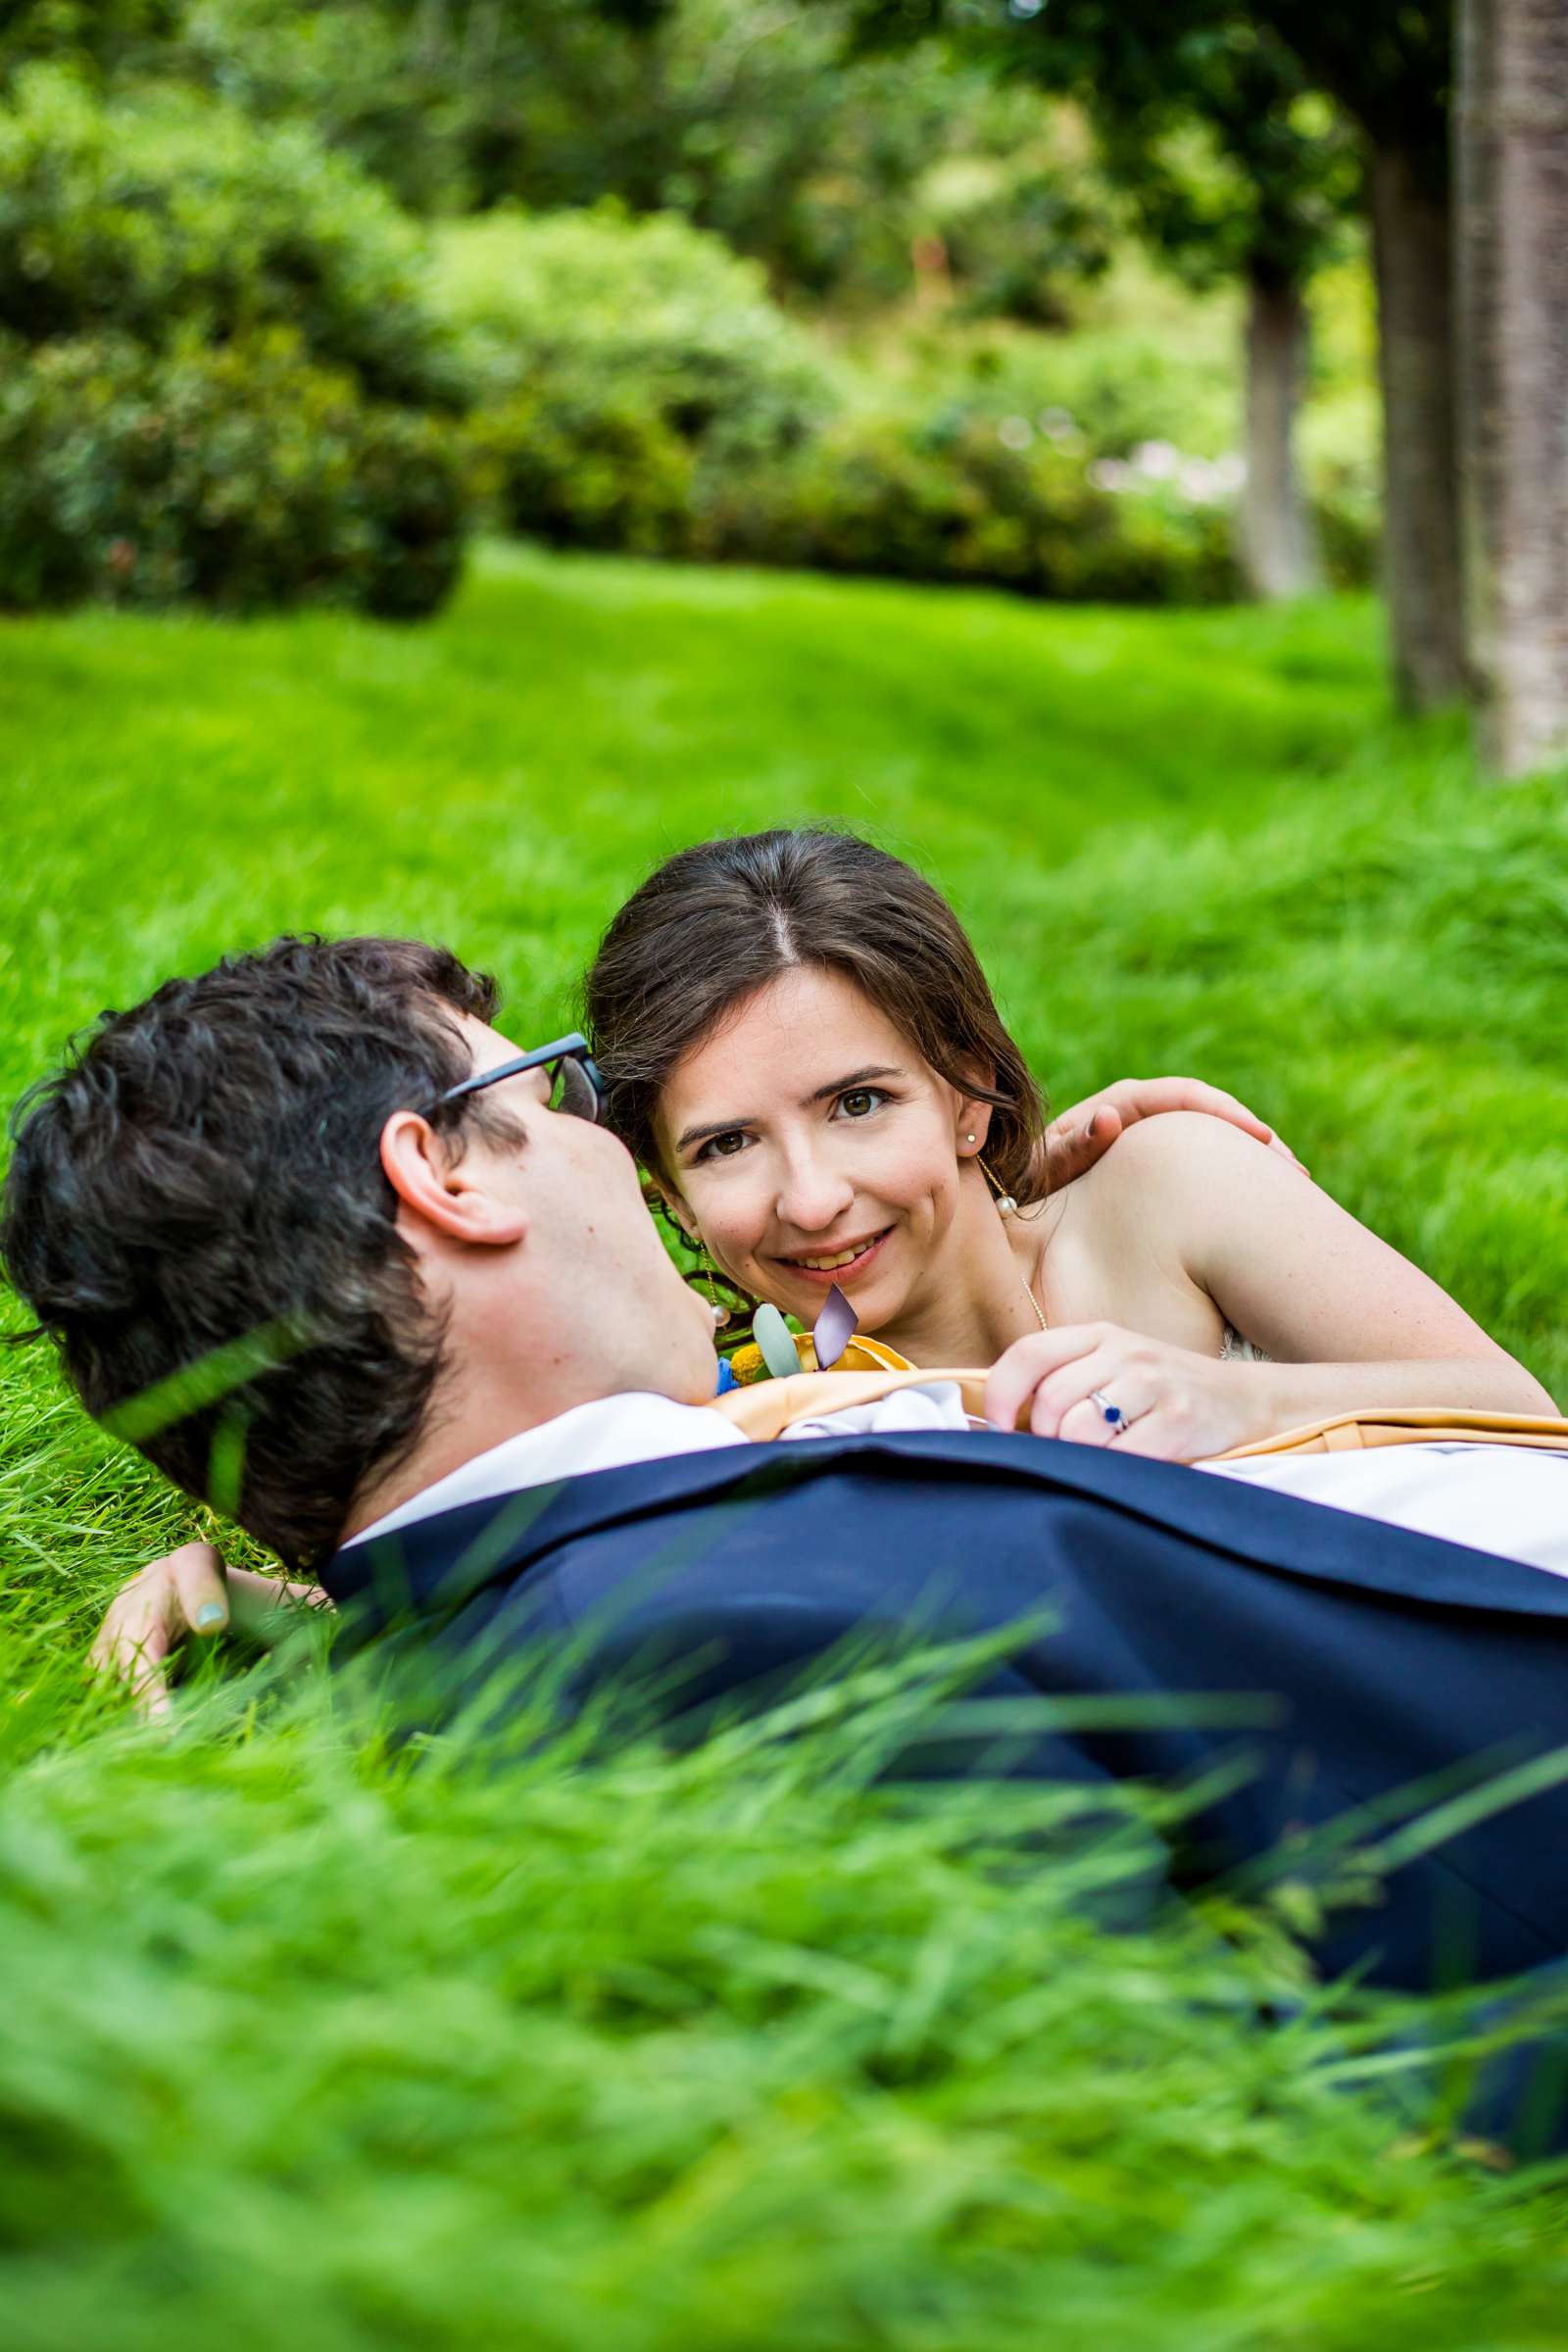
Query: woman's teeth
point(844, 1257)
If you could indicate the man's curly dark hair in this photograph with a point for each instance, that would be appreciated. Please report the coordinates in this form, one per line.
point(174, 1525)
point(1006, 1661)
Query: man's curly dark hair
point(201, 1178)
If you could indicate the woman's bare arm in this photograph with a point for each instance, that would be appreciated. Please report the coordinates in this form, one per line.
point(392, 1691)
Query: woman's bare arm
point(1287, 1265)
point(1352, 1324)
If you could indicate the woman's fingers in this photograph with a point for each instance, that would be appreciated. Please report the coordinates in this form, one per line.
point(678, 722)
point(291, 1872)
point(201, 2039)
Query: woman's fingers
point(1064, 1396)
point(133, 1645)
point(198, 1576)
point(182, 1593)
point(1116, 1373)
point(1082, 1135)
point(1018, 1373)
point(1170, 1403)
point(1077, 1139)
point(1083, 1422)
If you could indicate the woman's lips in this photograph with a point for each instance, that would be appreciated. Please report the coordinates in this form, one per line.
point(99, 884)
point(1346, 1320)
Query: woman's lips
point(850, 1271)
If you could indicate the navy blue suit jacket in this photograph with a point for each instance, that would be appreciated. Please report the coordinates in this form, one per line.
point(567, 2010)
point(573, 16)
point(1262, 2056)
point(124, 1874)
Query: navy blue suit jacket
point(1388, 1659)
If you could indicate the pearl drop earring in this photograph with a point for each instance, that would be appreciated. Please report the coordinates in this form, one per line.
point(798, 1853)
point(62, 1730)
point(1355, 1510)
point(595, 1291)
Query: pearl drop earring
point(1007, 1206)
point(718, 1311)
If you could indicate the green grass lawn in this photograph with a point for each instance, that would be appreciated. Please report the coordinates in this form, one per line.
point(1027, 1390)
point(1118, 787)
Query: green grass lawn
point(308, 2039)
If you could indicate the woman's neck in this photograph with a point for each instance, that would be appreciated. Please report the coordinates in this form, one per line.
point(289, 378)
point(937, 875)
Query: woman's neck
point(976, 1297)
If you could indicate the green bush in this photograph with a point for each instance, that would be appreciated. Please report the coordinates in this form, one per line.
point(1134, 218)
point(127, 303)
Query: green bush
point(169, 214)
point(645, 395)
point(242, 476)
point(218, 365)
point(1154, 379)
point(956, 501)
point(580, 469)
point(649, 312)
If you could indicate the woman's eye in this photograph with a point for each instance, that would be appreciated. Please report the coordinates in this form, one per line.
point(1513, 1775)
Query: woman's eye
point(861, 1102)
point(723, 1147)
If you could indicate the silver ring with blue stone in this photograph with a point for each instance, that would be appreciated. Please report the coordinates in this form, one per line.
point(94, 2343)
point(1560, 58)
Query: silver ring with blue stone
point(1111, 1414)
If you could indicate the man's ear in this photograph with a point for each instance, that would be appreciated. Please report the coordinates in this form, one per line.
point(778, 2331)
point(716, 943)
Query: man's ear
point(447, 1192)
point(679, 1212)
point(675, 1207)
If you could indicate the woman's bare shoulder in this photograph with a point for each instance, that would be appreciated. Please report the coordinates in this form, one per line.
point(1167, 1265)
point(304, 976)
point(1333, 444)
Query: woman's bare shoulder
point(1178, 1148)
point(1169, 1192)
point(1130, 1231)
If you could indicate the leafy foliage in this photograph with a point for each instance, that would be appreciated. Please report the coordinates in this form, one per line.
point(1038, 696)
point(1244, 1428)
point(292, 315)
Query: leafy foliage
point(618, 307)
point(971, 498)
point(1208, 118)
point(647, 396)
point(238, 477)
point(621, 361)
point(1016, 243)
point(219, 365)
point(584, 464)
point(745, 115)
point(165, 214)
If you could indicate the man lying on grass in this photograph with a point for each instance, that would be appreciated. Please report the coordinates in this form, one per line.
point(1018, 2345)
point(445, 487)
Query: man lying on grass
point(309, 1228)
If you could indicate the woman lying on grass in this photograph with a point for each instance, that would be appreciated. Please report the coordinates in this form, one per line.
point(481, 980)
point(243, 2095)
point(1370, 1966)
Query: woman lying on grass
point(800, 1047)
point(802, 1050)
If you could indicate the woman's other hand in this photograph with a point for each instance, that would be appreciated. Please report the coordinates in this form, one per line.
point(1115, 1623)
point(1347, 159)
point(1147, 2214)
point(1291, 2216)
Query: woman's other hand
point(1172, 1404)
point(184, 1592)
point(187, 1592)
point(1077, 1138)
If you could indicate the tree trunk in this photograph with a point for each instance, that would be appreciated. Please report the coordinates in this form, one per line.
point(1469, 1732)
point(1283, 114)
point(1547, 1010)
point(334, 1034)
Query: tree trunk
point(1511, 136)
point(1280, 555)
point(1411, 246)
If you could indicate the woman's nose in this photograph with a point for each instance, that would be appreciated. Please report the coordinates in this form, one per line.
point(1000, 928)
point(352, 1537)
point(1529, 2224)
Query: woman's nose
point(812, 1195)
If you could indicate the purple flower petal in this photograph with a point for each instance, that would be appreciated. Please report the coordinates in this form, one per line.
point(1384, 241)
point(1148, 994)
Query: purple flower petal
point(836, 1326)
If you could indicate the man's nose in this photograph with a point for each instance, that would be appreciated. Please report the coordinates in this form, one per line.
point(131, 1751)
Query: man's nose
point(812, 1193)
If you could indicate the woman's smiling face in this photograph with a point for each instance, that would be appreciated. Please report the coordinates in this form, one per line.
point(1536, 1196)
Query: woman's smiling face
point(809, 1144)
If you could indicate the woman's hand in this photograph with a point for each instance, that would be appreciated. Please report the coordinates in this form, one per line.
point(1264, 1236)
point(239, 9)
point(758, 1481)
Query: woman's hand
point(1077, 1138)
point(1173, 1405)
point(187, 1592)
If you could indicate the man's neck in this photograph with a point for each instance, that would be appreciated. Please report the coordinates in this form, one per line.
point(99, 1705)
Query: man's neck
point(463, 1422)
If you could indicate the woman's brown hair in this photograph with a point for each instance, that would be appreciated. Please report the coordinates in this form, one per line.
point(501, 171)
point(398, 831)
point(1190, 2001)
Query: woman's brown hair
point(717, 922)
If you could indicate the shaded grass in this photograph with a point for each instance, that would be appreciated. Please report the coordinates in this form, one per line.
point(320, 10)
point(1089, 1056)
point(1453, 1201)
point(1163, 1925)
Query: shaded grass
point(308, 2039)
point(724, 2050)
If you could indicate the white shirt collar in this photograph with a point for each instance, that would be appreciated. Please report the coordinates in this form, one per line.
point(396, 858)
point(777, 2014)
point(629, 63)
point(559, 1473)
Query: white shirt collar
point(604, 1435)
point(1503, 1498)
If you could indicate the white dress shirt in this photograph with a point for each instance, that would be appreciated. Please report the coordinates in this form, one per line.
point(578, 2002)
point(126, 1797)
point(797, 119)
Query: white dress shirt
point(1510, 1499)
point(1507, 1499)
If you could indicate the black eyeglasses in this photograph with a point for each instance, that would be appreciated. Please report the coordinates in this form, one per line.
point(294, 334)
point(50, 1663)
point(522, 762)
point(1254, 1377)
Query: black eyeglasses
point(575, 1086)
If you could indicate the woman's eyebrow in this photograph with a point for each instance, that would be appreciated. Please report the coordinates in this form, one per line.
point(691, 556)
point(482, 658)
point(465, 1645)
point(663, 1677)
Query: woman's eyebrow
point(841, 1085)
point(823, 1094)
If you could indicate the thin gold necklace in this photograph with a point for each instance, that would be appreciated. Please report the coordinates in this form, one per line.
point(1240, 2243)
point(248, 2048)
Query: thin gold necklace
point(1008, 1206)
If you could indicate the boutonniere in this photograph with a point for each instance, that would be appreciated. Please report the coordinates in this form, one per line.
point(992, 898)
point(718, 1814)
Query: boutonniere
point(775, 1353)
